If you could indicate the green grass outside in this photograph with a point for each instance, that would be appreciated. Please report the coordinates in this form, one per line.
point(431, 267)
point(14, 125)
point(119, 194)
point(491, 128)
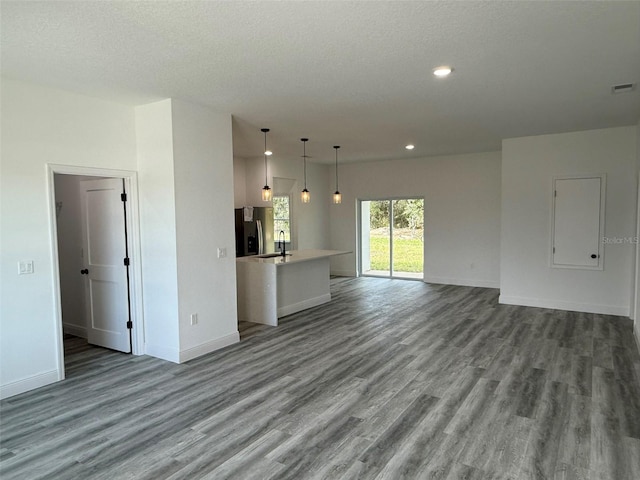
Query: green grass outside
point(407, 253)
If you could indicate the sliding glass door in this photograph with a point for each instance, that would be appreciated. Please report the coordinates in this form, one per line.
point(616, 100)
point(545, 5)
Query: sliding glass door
point(391, 238)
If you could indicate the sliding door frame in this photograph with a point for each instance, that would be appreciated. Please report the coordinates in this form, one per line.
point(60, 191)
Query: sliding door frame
point(359, 235)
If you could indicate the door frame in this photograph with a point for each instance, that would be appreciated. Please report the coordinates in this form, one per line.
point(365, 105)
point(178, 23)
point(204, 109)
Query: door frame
point(359, 272)
point(135, 267)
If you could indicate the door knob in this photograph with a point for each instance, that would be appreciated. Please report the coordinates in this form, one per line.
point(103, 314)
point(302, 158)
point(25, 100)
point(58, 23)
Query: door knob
point(84, 271)
point(593, 255)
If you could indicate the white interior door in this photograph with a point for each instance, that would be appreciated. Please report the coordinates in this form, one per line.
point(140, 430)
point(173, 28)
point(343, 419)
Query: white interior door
point(104, 251)
point(577, 205)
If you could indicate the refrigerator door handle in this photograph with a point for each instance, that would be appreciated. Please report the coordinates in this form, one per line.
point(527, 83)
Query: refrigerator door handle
point(260, 237)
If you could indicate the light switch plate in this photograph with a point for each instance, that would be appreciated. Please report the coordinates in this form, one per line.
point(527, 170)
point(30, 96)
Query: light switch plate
point(222, 252)
point(25, 267)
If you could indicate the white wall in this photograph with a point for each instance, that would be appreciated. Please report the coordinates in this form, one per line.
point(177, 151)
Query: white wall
point(462, 213)
point(154, 130)
point(43, 126)
point(186, 183)
point(239, 182)
point(203, 164)
point(310, 220)
point(39, 126)
point(69, 228)
point(528, 167)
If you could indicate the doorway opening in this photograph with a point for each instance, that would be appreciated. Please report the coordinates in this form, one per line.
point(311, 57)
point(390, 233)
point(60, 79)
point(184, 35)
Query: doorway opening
point(96, 252)
point(392, 238)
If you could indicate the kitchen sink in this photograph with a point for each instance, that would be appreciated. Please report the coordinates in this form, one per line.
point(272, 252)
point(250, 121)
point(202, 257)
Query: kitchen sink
point(272, 255)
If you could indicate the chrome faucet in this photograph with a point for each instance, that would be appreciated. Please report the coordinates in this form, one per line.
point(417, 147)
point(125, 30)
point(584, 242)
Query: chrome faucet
point(282, 244)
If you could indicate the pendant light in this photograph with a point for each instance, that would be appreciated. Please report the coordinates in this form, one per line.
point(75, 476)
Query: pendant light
point(337, 196)
point(305, 195)
point(266, 190)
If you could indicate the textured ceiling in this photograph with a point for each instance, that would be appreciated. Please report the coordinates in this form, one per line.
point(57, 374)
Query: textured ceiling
point(356, 74)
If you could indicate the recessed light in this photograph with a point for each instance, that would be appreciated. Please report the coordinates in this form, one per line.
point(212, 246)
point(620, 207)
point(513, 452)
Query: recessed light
point(443, 71)
point(410, 147)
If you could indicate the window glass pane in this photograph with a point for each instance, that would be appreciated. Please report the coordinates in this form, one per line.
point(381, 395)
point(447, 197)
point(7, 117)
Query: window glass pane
point(379, 242)
point(282, 216)
point(408, 238)
point(282, 225)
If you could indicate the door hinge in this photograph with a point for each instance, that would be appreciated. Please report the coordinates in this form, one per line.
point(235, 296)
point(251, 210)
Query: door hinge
point(123, 197)
point(555, 193)
point(130, 325)
point(126, 261)
point(554, 249)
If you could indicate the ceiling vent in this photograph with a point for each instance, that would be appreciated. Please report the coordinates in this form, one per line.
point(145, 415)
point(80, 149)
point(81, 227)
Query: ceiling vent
point(623, 88)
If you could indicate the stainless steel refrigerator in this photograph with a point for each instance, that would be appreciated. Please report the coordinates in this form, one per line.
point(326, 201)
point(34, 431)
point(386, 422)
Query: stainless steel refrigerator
point(254, 231)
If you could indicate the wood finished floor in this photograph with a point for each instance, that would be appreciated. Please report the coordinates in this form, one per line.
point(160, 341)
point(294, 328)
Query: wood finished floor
point(392, 380)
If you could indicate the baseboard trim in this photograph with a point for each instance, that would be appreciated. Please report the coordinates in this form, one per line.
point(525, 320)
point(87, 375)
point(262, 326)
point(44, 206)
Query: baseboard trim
point(298, 307)
point(636, 332)
point(30, 383)
point(560, 305)
point(164, 353)
point(208, 347)
point(343, 273)
point(462, 282)
point(74, 330)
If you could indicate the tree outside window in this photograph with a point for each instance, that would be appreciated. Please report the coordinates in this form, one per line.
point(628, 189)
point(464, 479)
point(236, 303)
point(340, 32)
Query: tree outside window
point(282, 216)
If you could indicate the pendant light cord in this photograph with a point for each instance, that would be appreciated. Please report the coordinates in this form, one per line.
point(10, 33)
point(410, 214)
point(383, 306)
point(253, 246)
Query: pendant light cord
point(265, 159)
point(304, 156)
point(337, 147)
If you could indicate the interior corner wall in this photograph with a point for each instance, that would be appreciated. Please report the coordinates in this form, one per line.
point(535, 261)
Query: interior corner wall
point(239, 182)
point(154, 131)
point(310, 221)
point(528, 167)
point(204, 199)
point(41, 126)
point(462, 213)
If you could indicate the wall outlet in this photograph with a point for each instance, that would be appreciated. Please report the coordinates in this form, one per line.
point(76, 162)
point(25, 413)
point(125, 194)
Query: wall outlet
point(194, 319)
point(25, 267)
point(222, 252)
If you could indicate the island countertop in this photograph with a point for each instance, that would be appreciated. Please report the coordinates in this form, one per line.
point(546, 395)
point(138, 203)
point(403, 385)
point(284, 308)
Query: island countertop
point(292, 256)
point(274, 286)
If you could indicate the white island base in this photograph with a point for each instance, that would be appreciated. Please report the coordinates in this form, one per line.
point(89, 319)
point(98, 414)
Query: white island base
point(270, 288)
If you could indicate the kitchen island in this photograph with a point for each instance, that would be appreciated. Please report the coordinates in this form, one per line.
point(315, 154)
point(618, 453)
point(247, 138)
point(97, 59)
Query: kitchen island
point(270, 287)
